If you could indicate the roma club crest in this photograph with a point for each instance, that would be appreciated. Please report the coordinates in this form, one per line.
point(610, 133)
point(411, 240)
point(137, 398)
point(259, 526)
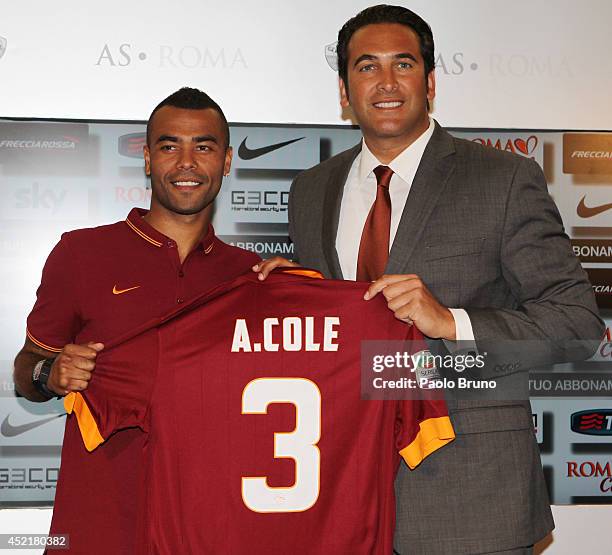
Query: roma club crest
point(330, 55)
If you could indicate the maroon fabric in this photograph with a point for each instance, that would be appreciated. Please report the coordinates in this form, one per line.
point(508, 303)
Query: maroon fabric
point(201, 440)
point(75, 303)
point(374, 245)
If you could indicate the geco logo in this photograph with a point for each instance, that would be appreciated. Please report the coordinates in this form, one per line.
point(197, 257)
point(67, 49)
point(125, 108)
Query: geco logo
point(260, 201)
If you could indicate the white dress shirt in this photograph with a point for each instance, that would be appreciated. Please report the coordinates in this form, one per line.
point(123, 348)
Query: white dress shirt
point(359, 195)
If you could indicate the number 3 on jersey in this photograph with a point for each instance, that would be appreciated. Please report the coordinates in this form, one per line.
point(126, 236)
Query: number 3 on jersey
point(299, 445)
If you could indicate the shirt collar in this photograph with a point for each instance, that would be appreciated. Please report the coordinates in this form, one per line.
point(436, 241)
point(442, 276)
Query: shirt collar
point(404, 164)
point(147, 232)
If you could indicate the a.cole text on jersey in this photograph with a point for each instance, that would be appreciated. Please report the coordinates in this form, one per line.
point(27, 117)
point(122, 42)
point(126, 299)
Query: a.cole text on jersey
point(292, 333)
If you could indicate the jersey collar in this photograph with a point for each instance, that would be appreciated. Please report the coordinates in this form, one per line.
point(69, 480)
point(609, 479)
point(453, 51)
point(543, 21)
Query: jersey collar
point(147, 232)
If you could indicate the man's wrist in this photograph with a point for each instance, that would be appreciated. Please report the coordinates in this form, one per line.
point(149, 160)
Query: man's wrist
point(451, 326)
point(40, 377)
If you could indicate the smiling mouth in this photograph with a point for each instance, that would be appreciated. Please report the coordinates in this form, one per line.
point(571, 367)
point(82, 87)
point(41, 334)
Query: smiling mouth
point(186, 184)
point(388, 104)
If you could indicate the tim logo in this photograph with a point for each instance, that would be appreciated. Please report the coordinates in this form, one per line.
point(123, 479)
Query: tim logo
point(526, 147)
point(131, 145)
point(596, 422)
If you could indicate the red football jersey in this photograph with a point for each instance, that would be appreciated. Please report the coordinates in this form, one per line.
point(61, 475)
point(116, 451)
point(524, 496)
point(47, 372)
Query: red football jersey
point(258, 439)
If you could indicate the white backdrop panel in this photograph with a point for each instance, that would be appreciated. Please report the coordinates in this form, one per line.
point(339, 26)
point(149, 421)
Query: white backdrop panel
point(500, 64)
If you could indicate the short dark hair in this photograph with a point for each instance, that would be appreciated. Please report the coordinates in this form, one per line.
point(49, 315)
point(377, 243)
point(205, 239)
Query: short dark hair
point(384, 13)
point(191, 99)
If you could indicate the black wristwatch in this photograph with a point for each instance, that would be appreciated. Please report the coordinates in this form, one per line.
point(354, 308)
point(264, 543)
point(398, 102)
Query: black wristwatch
point(40, 375)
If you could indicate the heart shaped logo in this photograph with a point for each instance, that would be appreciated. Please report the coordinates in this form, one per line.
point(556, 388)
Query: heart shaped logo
point(526, 146)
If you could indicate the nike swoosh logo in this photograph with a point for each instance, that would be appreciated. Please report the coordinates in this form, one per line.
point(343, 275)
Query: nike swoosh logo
point(119, 291)
point(247, 153)
point(8, 430)
point(585, 211)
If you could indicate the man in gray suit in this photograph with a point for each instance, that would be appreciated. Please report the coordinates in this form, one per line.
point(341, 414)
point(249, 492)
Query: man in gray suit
point(476, 251)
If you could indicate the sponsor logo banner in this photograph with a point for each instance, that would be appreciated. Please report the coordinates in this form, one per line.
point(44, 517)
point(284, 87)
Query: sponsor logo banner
point(591, 208)
point(601, 280)
point(587, 153)
point(570, 384)
point(593, 477)
point(596, 422)
point(45, 149)
point(538, 425)
point(593, 250)
point(28, 478)
point(259, 203)
point(264, 245)
point(525, 144)
point(2, 46)
point(38, 201)
point(604, 351)
point(280, 148)
point(131, 145)
point(32, 426)
point(34, 138)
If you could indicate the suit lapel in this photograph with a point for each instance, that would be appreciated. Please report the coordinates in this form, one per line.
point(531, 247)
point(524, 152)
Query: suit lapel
point(436, 167)
point(331, 209)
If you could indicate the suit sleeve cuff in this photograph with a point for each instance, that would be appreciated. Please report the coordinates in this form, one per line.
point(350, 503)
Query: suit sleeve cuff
point(463, 329)
point(463, 325)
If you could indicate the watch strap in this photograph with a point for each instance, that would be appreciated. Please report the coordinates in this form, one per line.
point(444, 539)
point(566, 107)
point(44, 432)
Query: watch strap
point(40, 376)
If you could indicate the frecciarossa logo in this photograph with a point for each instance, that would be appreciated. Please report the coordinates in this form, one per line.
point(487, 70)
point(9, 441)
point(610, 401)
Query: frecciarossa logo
point(596, 422)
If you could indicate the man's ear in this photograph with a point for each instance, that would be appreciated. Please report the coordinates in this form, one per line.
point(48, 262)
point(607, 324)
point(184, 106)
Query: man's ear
point(431, 86)
point(227, 166)
point(147, 159)
point(344, 96)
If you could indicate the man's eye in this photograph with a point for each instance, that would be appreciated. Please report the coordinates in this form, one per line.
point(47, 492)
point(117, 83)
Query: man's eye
point(168, 147)
point(404, 65)
point(367, 67)
point(203, 148)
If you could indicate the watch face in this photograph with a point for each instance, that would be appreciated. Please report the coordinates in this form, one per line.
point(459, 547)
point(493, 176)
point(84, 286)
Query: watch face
point(36, 373)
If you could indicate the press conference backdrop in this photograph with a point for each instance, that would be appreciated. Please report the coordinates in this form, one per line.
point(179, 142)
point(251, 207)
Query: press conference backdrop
point(57, 176)
point(518, 64)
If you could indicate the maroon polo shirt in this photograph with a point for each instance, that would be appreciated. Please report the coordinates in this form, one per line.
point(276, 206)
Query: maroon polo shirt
point(96, 284)
point(99, 282)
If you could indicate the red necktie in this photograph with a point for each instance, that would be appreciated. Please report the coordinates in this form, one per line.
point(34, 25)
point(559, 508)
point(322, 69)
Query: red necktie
point(374, 246)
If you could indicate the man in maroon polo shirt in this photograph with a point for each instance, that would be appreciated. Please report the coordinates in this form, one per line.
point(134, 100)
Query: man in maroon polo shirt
point(99, 282)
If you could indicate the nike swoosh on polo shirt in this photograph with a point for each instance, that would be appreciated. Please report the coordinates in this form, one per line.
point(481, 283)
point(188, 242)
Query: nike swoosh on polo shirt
point(120, 291)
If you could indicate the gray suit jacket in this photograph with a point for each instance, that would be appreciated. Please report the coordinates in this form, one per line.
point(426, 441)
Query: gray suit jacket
point(482, 232)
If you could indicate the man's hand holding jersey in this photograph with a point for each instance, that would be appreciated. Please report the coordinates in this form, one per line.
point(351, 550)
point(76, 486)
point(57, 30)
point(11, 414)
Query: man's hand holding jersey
point(411, 302)
point(73, 367)
point(264, 267)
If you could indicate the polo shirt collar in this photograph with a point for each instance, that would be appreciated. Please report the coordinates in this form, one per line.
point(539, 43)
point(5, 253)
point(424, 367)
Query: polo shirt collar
point(148, 233)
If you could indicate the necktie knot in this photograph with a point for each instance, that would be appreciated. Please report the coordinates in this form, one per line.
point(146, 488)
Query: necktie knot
point(383, 175)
